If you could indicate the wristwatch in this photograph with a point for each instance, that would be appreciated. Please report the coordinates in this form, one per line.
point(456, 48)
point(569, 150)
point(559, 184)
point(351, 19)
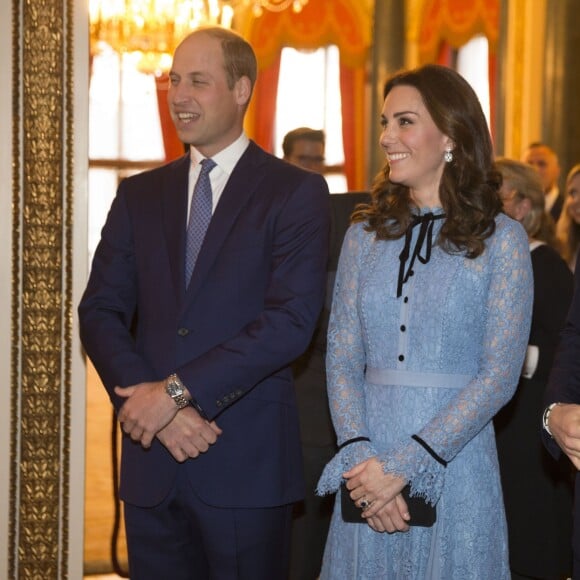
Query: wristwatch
point(546, 417)
point(176, 390)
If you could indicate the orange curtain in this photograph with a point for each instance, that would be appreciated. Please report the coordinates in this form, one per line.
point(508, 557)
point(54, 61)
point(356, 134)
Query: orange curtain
point(344, 23)
point(352, 89)
point(445, 55)
point(449, 24)
point(173, 146)
point(455, 22)
point(262, 111)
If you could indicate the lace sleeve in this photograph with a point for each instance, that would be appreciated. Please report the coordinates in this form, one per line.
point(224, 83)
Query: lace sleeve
point(508, 311)
point(345, 361)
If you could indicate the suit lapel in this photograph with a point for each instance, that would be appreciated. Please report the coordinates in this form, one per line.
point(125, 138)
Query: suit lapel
point(239, 188)
point(174, 221)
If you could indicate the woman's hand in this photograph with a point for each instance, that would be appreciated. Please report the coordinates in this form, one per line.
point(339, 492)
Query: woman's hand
point(379, 495)
point(392, 517)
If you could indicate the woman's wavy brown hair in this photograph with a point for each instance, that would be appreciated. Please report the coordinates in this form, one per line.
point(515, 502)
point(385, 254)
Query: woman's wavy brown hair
point(469, 188)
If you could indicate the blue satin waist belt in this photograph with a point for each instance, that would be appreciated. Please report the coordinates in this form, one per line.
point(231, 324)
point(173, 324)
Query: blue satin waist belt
point(414, 379)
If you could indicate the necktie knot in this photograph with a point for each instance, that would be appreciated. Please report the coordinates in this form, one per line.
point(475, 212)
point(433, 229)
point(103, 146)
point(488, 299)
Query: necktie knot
point(206, 166)
point(199, 216)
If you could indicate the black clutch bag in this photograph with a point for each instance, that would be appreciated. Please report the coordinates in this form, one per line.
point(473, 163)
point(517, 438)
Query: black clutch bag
point(422, 513)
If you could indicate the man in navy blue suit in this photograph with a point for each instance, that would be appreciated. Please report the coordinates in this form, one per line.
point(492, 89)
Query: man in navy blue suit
point(198, 370)
point(561, 419)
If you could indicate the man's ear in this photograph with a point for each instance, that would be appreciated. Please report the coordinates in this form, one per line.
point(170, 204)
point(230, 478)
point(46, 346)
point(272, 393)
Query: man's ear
point(243, 91)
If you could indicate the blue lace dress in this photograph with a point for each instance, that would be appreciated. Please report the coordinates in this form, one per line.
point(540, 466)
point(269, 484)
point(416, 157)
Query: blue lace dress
point(439, 361)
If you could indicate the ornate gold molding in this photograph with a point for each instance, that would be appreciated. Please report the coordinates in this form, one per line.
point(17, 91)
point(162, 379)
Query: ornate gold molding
point(517, 77)
point(41, 317)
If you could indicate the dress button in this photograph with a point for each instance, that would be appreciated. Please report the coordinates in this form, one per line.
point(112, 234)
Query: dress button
point(182, 331)
point(411, 273)
point(401, 357)
point(403, 328)
point(406, 299)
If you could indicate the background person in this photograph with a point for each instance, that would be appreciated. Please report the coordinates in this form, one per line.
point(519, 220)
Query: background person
point(305, 147)
point(419, 363)
point(311, 517)
point(568, 226)
point(538, 529)
point(198, 366)
point(561, 416)
point(545, 160)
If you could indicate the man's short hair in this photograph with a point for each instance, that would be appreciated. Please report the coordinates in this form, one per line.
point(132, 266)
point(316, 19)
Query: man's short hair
point(541, 144)
point(291, 137)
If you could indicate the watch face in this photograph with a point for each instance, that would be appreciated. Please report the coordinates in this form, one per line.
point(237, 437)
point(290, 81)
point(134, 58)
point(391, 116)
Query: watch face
point(174, 389)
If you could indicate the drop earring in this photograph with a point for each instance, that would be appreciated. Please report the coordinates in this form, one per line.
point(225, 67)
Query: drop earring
point(448, 156)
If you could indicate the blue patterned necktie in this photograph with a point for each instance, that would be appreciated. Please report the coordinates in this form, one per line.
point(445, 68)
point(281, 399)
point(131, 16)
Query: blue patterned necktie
point(199, 217)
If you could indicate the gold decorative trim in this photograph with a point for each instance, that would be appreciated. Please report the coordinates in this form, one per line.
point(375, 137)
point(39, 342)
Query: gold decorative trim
point(41, 317)
point(517, 74)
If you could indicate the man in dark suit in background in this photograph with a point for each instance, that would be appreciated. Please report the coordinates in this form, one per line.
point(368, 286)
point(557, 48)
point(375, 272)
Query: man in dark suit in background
point(305, 147)
point(545, 160)
point(197, 364)
point(561, 418)
point(311, 518)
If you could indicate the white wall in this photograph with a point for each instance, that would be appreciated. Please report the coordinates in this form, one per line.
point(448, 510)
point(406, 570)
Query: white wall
point(80, 271)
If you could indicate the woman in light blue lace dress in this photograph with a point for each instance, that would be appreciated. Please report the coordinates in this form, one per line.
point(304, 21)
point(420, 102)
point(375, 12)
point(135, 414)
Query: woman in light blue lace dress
point(429, 326)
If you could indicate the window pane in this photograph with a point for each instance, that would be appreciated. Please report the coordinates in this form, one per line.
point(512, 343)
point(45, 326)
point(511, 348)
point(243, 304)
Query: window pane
point(102, 188)
point(140, 125)
point(309, 96)
point(104, 106)
point(473, 66)
point(123, 114)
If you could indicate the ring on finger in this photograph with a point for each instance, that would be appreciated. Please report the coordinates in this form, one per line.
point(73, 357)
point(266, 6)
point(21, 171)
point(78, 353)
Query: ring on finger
point(364, 503)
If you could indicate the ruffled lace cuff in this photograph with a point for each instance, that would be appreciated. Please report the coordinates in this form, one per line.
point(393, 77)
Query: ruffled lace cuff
point(344, 460)
point(411, 462)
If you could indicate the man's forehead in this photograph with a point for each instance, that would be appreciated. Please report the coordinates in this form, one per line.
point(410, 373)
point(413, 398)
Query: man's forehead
point(540, 153)
point(308, 144)
point(199, 46)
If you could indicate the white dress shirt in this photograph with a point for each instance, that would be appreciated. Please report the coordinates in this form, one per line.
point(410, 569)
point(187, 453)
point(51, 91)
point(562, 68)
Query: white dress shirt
point(225, 161)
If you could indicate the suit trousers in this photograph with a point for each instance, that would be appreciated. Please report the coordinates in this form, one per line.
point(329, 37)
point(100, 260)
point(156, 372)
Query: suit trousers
point(185, 539)
point(311, 517)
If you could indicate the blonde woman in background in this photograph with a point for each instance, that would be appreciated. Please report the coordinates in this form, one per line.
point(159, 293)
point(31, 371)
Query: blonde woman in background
point(537, 490)
point(568, 226)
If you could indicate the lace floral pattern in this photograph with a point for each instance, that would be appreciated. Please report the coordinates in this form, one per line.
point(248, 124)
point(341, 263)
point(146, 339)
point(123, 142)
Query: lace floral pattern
point(455, 317)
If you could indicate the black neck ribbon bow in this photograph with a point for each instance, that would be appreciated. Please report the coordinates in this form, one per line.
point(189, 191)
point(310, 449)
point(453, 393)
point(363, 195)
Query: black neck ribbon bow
point(426, 222)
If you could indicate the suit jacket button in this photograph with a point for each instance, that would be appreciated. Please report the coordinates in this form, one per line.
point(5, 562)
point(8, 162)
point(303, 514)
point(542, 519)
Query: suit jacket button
point(219, 404)
point(182, 331)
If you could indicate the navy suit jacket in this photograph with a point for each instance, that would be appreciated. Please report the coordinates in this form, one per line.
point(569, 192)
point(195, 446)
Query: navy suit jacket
point(316, 428)
point(249, 311)
point(564, 386)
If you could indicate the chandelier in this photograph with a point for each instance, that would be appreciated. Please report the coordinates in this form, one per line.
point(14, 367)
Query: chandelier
point(155, 27)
